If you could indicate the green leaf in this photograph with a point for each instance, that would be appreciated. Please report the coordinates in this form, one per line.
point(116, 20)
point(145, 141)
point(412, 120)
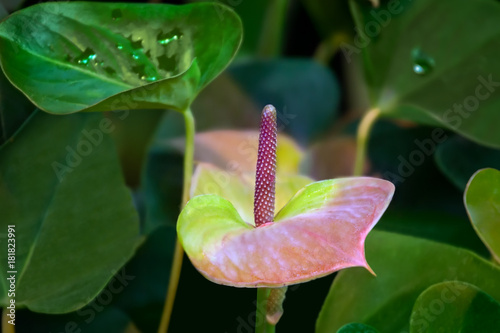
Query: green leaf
point(405, 267)
point(75, 224)
point(459, 158)
point(162, 186)
point(357, 328)
point(319, 231)
point(15, 109)
point(306, 95)
point(414, 70)
point(69, 57)
point(144, 296)
point(455, 306)
point(482, 201)
point(94, 318)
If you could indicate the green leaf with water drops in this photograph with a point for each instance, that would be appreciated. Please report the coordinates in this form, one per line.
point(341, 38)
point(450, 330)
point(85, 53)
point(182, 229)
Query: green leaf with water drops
point(421, 67)
point(455, 306)
point(82, 56)
point(482, 201)
point(405, 267)
point(74, 220)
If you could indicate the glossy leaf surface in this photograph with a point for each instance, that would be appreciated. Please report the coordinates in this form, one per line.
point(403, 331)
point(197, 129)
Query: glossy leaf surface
point(319, 231)
point(459, 158)
point(415, 71)
point(69, 57)
point(405, 267)
point(482, 201)
point(69, 243)
point(455, 306)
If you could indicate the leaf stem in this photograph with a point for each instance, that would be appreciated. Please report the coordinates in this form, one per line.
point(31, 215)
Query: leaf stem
point(362, 139)
point(271, 34)
point(175, 271)
point(261, 323)
point(6, 327)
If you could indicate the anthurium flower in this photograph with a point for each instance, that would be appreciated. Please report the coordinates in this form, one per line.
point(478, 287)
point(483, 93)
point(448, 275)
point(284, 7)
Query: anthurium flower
point(320, 227)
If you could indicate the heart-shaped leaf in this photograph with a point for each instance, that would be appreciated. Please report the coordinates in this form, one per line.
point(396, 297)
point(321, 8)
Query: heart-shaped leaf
point(405, 267)
point(68, 57)
point(74, 222)
point(482, 201)
point(455, 306)
point(416, 70)
point(458, 158)
point(321, 230)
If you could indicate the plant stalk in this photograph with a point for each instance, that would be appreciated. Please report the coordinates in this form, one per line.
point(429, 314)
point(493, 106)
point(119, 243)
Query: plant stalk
point(271, 34)
point(6, 327)
point(261, 323)
point(175, 271)
point(362, 139)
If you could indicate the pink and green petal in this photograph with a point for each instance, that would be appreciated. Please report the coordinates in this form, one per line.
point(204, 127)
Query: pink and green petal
point(321, 230)
point(238, 187)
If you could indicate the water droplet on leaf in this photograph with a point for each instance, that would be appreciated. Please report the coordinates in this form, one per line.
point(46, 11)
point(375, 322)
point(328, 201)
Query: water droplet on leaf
point(87, 56)
point(422, 63)
point(165, 38)
point(119, 46)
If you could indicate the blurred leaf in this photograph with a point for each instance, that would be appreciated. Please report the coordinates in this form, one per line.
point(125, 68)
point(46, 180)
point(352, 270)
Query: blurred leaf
point(458, 158)
point(332, 158)
point(237, 150)
point(95, 318)
point(306, 95)
point(9, 6)
point(434, 225)
point(15, 109)
point(356, 328)
point(75, 225)
point(319, 231)
point(455, 306)
point(162, 186)
point(416, 71)
point(133, 133)
point(252, 14)
point(482, 201)
point(405, 267)
point(330, 17)
point(143, 298)
point(69, 57)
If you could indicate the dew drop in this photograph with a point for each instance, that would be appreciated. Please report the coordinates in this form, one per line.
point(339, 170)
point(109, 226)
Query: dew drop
point(119, 46)
point(87, 56)
point(165, 38)
point(149, 78)
point(116, 14)
point(422, 63)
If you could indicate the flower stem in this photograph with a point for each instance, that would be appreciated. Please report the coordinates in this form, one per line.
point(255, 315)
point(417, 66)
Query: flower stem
point(261, 323)
point(271, 34)
point(362, 139)
point(175, 271)
point(6, 327)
